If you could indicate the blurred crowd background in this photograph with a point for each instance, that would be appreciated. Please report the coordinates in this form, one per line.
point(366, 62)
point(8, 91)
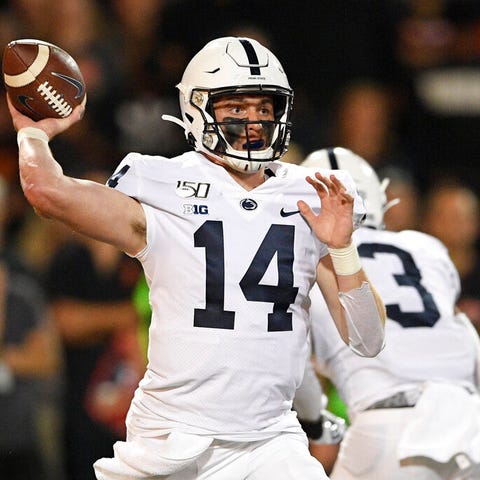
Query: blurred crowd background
point(396, 81)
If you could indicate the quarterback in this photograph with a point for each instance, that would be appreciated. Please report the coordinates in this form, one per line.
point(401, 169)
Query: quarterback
point(231, 241)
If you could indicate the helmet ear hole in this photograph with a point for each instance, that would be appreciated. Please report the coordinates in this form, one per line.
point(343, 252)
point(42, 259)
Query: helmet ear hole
point(191, 139)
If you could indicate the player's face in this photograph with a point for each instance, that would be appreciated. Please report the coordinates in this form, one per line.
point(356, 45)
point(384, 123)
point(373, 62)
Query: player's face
point(244, 114)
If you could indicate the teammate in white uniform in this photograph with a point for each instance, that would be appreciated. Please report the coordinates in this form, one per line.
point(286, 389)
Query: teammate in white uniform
point(230, 249)
point(415, 408)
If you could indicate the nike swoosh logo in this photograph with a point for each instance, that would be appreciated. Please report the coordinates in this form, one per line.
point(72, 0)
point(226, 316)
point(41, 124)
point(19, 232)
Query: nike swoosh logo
point(23, 99)
point(72, 81)
point(283, 213)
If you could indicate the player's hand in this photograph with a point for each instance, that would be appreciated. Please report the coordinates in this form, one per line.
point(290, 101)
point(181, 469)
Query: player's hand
point(334, 224)
point(51, 126)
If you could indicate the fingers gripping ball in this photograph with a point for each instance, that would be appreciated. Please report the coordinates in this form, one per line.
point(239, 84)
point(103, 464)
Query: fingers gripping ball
point(41, 79)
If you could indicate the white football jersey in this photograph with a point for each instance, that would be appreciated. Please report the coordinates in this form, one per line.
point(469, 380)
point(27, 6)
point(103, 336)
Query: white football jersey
point(229, 272)
point(419, 286)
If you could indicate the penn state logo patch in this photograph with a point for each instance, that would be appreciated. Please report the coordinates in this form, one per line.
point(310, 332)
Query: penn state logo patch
point(248, 204)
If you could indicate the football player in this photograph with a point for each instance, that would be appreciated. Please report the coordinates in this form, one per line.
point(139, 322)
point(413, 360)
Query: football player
point(231, 241)
point(414, 408)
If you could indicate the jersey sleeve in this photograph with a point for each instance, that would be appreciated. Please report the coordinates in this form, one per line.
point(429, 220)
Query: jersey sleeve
point(125, 177)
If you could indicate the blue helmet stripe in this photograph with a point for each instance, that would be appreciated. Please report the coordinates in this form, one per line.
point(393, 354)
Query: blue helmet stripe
point(252, 57)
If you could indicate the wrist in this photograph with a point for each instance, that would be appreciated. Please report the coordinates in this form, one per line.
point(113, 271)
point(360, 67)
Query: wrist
point(346, 260)
point(32, 132)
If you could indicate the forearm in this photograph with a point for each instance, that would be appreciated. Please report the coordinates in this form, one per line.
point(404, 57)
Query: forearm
point(350, 274)
point(355, 305)
point(364, 318)
point(40, 174)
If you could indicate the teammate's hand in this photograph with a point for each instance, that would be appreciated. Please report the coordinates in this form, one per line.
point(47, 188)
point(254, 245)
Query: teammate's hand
point(51, 126)
point(334, 224)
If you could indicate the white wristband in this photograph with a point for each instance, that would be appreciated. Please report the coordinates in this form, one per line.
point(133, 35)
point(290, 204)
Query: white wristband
point(346, 261)
point(31, 132)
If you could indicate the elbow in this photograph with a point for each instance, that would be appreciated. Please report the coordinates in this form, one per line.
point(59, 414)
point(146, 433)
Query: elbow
point(40, 198)
point(370, 348)
point(365, 321)
point(41, 186)
point(35, 194)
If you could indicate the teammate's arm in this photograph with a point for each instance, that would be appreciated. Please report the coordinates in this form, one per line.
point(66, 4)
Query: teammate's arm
point(87, 207)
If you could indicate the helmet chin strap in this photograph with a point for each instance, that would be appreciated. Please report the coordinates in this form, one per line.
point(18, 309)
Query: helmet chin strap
point(242, 166)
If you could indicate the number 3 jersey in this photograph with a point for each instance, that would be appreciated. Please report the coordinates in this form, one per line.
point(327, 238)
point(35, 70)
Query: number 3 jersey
point(229, 272)
point(419, 286)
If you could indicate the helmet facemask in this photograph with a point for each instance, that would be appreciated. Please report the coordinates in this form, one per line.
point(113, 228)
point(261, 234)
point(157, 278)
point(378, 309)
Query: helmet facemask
point(221, 138)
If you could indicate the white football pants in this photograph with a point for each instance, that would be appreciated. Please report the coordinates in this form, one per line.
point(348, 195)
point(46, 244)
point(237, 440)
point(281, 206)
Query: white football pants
point(284, 457)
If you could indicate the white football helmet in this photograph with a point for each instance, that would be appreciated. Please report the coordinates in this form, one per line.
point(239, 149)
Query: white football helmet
point(368, 185)
point(228, 66)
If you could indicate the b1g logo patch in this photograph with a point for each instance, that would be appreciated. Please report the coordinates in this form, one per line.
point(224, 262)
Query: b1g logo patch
point(192, 209)
point(186, 189)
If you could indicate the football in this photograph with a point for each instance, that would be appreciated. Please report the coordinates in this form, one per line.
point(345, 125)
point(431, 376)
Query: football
point(41, 79)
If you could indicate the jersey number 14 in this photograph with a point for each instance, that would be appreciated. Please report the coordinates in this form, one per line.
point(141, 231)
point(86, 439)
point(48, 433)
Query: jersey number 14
point(278, 240)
